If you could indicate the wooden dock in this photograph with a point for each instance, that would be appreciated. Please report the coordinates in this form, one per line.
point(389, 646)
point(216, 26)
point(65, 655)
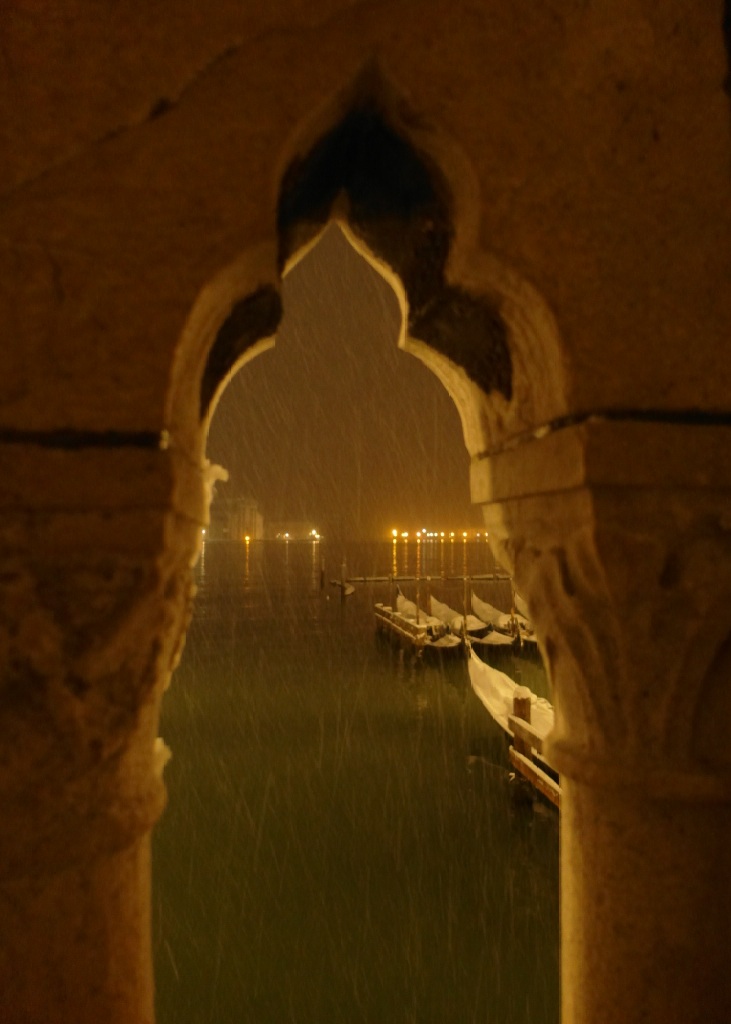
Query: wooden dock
point(389, 621)
point(428, 579)
point(419, 635)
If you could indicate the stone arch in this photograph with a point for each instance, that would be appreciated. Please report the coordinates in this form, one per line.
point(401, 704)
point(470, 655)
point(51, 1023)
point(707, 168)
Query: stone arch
point(232, 320)
point(484, 332)
point(461, 304)
point(408, 201)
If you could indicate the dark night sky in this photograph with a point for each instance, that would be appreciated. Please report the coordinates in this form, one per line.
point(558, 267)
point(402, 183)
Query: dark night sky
point(336, 425)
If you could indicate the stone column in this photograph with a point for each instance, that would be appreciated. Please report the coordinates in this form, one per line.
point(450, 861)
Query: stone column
point(95, 548)
point(619, 535)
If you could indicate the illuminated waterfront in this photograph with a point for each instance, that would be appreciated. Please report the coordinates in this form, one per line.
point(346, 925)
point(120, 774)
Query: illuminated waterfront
point(342, 842)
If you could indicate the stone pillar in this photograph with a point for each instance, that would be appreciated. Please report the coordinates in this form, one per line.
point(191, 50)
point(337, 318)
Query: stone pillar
point(95, 548)
point(619, 535)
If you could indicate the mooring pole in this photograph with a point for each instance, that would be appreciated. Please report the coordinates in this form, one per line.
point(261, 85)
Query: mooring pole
point(521, 709)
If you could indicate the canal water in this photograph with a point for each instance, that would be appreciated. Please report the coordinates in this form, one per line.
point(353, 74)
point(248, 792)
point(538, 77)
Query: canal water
point(343, 842)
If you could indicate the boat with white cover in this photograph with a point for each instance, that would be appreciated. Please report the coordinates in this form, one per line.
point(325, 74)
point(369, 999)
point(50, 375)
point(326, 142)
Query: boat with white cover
point(457, 623)
point(513, 625)
point(497, 691)
point(435, 632)
point(525, 717)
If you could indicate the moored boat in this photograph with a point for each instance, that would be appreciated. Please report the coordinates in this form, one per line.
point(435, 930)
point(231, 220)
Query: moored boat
point(497, 691)
point(511, 624)
point(525, 717)
point(411, 610)
point(410, 624)
point(457, 623)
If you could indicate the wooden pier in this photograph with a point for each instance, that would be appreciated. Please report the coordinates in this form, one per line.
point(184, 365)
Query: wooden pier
point(389, 621)
point(428, 579)
point(419, 635)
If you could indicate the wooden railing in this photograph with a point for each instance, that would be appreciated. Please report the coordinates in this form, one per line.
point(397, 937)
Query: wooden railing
point(526, 752)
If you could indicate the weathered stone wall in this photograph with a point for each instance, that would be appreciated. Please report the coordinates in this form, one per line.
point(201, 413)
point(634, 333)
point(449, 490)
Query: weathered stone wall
point(582, 155)
point(144, 150)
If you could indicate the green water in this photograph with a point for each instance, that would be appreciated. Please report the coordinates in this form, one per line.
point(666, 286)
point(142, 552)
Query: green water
point(342, 841)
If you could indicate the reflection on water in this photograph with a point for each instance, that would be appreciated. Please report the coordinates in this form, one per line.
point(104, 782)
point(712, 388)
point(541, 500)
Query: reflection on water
point(341, 842)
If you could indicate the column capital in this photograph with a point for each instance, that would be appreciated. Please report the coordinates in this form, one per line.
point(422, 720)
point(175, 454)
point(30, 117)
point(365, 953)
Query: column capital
point(94, 600)
point(619, 536)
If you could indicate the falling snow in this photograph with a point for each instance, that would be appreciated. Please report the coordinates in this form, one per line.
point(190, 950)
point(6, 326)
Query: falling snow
point(342, 840)
point(336, 424)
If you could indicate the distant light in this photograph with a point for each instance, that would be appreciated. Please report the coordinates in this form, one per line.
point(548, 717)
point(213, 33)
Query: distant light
point(405, 534)
point(464, 533)
point(441, 534)
point(451, 533)
point(394, 533)
point(286, 536)
point(247, 538)
point(203, 530)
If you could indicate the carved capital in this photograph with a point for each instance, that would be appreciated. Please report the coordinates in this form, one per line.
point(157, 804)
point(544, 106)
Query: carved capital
point(630, 590)
point(93, 607)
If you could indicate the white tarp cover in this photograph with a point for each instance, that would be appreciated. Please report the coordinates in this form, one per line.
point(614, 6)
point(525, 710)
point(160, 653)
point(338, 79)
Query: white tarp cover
point(409, 611)
point(496, 639)
point(500, 620)
point(454, 619)
point(496, 691)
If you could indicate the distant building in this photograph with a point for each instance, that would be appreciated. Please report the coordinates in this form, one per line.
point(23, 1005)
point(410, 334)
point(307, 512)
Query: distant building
point(292, 529)
point(235, 519)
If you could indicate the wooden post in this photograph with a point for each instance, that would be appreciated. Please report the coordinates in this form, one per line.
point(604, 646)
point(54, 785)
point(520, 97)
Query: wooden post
point(418, 597)
point(466, 606)
point(521, 709)
point(513, 623)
